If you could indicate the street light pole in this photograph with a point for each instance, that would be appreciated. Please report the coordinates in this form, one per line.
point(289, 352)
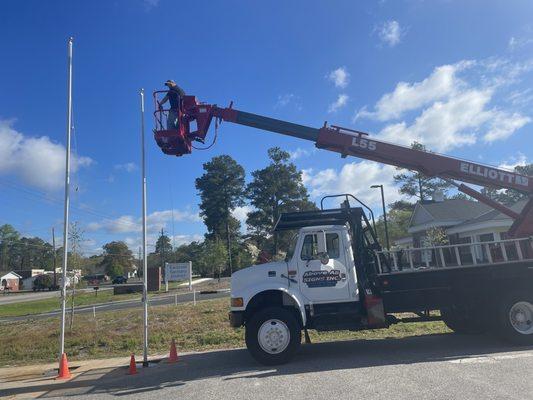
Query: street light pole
point(384, 214)
point(145, 260)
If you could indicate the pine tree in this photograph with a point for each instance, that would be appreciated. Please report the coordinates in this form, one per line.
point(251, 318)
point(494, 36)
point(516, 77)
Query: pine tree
point(275, 189)
point(416, 184)
point(221, 190)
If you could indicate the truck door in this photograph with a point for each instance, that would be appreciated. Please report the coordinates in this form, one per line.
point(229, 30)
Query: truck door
point(323, 279)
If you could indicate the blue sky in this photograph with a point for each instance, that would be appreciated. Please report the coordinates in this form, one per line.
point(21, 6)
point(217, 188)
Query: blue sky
point(454, 75)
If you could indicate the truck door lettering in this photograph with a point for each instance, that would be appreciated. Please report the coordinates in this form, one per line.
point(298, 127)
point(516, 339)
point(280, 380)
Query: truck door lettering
point(315, 279)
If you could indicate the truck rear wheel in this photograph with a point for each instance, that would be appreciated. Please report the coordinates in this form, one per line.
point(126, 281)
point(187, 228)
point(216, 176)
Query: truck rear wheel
point(515, 319)
point(273, 335)
point(463, 322)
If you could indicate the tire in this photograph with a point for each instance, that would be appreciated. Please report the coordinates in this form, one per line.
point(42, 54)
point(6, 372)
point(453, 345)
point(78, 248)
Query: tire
point(273, 335)
point(515, 319)
point(464, 322)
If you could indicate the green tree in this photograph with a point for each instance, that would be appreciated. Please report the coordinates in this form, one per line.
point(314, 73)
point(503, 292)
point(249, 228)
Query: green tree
point(8, 238)
point(436, 236)
point(163, 252)
point(398, 217)
point(213, 257)
point(221, 190)
point(76, 237)
point(118, 258)
point(275, 189)
point(416, 184)
point(27, 253)
point(163, 245)
point(510, 196)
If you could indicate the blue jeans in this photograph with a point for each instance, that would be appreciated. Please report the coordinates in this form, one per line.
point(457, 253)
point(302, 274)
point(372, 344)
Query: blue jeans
point(172, 120)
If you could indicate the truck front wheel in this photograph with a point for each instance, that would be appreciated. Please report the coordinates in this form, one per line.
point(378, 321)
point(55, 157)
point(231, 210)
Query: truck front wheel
point(515, 319)
point(273, 335)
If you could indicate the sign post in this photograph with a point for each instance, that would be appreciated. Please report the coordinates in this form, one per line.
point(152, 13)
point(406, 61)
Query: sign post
point(178, 272)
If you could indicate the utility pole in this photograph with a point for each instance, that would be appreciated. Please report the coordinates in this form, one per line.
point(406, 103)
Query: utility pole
point(145, 263)
point(162, 250)
point(140, 261)
point(229, 247)
point(67, 202)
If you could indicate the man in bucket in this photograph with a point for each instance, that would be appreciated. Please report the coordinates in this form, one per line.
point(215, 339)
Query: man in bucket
point(173, 96)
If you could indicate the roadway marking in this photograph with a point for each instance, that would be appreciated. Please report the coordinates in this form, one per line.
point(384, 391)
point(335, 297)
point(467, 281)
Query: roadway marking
point(491, 358)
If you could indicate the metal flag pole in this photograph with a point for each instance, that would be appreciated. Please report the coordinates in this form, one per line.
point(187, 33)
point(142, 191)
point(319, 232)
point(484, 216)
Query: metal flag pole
point(145, 261)
point(67, 202)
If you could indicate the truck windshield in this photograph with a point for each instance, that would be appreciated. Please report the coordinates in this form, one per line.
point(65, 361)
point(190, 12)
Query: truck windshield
point(292, 246)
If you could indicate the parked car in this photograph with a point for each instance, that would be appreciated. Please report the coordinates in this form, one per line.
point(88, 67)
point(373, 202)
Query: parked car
point(43, 282)
point(119, 280)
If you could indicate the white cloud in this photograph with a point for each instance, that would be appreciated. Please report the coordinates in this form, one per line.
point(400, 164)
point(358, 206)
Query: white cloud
point(341, 101)
point(288, 99)
point(510, 164)
point(241, 213)
point(504, 124)
point(516, 43)
point(155, 222)
point(340, 77)
point(444, 125)
point(301, 153)
point(128, 167)
point(37, 161)
point(149, 4)
point(454, 104)
point(390, 33)
point(441, 83)
point(354, 178)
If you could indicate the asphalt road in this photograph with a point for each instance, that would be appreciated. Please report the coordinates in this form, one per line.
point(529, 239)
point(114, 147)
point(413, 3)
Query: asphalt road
point(22, 297)
point(125, 304)
point(429, 367)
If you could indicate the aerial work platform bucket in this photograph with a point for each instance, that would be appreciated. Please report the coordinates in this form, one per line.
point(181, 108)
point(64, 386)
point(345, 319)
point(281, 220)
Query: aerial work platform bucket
point(171, 136)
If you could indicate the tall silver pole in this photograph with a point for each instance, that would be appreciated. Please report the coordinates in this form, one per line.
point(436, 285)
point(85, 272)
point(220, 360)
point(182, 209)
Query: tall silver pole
point(67, 202)
point(145, 260)
point(385, 218)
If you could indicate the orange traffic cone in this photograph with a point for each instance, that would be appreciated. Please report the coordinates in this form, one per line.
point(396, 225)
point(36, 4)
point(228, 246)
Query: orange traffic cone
point(173, 357)
point(133, 367)
point(64, 372)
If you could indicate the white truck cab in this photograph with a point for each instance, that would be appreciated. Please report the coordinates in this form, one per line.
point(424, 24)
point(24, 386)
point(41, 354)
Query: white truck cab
point(276, 300)
point(319, 269)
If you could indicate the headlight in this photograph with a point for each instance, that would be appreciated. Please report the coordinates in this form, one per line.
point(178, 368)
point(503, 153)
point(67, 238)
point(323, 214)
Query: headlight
point(237, 302)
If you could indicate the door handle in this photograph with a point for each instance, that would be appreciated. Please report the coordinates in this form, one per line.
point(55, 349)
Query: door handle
point(288, 278)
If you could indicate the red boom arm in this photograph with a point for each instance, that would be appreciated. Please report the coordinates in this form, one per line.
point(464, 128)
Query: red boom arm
point(354, 143)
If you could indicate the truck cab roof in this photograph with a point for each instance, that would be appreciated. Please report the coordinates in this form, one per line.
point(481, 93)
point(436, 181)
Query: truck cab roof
point(330, 217)
point(322, 228)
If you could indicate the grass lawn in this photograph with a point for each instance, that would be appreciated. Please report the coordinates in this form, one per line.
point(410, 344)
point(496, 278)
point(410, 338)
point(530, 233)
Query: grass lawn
point(54, 303)
point(200, 327)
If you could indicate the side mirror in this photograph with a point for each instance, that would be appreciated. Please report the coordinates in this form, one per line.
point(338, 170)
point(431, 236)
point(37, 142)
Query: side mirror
point(324, 258)
point(321, 245)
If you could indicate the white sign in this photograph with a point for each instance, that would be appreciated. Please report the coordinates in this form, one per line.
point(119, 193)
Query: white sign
point(178, 272)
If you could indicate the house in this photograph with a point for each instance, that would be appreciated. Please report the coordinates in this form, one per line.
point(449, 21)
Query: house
point(9, 281)
point(444, 214)
point(461, 221)
point(27, 276)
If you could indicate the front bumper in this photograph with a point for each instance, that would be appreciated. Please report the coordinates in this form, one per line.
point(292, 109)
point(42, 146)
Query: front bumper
point(236, 318)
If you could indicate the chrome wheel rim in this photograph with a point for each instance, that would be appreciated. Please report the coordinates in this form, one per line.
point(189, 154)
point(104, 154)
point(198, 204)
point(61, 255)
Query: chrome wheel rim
point(274, 336)
point(521, 317)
